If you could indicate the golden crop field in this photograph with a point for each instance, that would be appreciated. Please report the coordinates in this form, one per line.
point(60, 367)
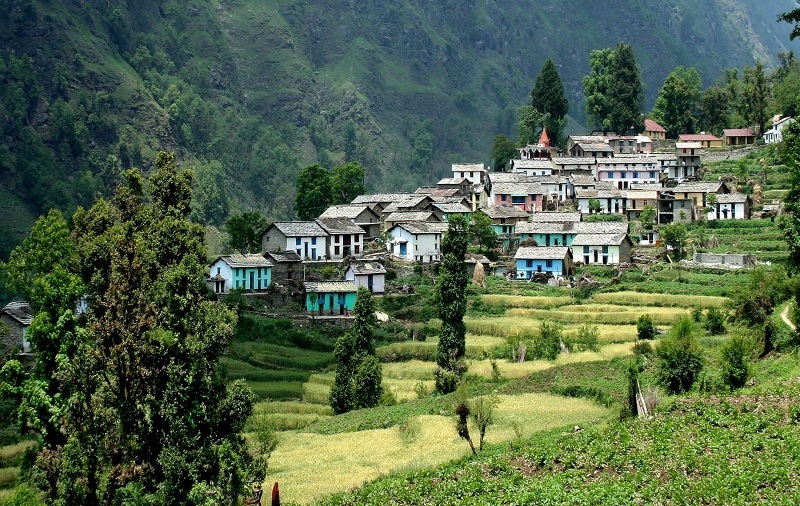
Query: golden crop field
point(660, 299)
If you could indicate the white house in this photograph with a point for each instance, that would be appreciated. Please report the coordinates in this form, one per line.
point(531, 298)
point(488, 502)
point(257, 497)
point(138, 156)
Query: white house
point(775, 134)
point(360, 214)
point(623, 171)
point(602, 249)
point(729, 206)
point(688, 161)
point(533, 167)
point(371, 275)
point(475, 172)
point(306, 238)
point(251, 272)
point(345, 238)
point(611, 201)
point(417, 241)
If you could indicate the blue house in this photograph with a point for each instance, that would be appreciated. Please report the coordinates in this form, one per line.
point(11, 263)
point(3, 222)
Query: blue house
point(328, 298)
point(554, 260)
point(562, 234)
point(251, 272)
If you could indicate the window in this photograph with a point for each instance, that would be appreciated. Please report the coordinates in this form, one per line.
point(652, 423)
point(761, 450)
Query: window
point(652, 175)
point(297, 241)
point(336, 250)
point(313, 240)
point(586, 250)
point(549, 263)
point(517, 199)
point(503, 198)
point(336, 238)
point(622, 175)
point(357, 248)
point(605, 250)
point(528, 263)
point(635, 175)
point(533, 198)
point(218, 269)
point(298, 251)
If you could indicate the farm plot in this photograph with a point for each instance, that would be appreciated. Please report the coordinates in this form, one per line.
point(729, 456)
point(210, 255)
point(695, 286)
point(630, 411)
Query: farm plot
point(602, 313)
point(519, 326)
point(343, 461)
point(659, 299)
point(499, 300)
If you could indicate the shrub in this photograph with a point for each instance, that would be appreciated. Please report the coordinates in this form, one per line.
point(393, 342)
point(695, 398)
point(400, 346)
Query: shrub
point(643, 348)
point(679, 358)
point(735, 361)
point(588, 337)
point(645, 329)
point(697, 314)
point(548, 344)
point(715, 321)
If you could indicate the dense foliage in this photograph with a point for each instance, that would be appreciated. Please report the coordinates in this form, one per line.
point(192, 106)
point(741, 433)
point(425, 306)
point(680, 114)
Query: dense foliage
point(679, 358)
point(126, 398)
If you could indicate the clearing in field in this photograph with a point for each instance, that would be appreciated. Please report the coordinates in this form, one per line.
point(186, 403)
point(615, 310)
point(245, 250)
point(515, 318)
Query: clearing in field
point(343, 461)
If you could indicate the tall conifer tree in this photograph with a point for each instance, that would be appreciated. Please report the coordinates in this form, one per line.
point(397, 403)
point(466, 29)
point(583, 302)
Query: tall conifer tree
point(547, 97)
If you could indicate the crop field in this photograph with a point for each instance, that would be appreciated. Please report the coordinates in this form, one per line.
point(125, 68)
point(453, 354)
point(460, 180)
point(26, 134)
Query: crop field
point(343, 461)
point(601, 313)
point(519, 326)
point(500, 300)
point(476, 346)
point(659, 299)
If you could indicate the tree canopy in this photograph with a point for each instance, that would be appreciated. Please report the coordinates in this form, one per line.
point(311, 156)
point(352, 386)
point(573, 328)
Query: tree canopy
point(127, 398)
point(614, 90)
point(790, 221)
point(244, 232)
point(503, 150)
point(676, 108)
point(547, 97)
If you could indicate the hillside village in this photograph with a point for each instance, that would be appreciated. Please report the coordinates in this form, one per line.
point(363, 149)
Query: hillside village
point(552, 211)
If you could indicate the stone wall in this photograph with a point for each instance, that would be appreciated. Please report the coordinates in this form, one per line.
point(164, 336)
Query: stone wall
point(737, 260)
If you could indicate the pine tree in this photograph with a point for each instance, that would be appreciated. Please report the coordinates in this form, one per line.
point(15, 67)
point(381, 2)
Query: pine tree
point(358, 372)
point(625, 92)
point(451, 291)
point(547, 97)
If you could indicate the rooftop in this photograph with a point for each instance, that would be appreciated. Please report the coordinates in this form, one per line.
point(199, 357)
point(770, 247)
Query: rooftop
point(283, 256)
point(731, 198)
point(738, 132)
point(599, 239)
point(698, 137)
point(541, 252)
point(330, 286)
point(423, 227)
point(557, 217)
point(652, 126)
point(298, 228)
point(237, 261)
point(20, 311)
point(368, 268)
point(505, 212)
point(350, 211)
point(339, 226)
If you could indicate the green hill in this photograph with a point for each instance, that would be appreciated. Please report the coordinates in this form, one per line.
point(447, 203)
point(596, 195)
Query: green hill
point(250, 91)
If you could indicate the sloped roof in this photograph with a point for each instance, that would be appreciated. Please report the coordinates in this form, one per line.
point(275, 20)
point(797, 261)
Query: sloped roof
point(557, 216)
point(505, 212)
point(329, 286)
point(467, 167)
point(698, 187)
point(574, 160)
point(698, 137)
point(652, 126)
point(650, 194)
point(738, 132)
point(628, 160)
point(594, 146)
point(407, 203)
point(283, 256)
point(368, 268)
point(581, 227)
point(508, 177)
point(350, 211)
point(298, 228)
point(381, 198)
point(452, 208)
point(517, 188)
point(424, 227)
point(339, 226)
point(598, 193)
point(599, 239)
point(731, 198)
point(450, 181)
point(688, 145)
point(237, 261)
point(647, 186)
point(532, 164)
point(541, 252)
point(409, 216)
point(19, 311)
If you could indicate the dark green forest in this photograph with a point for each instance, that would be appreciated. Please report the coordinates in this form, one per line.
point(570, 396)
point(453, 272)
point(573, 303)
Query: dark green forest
point(248, 92)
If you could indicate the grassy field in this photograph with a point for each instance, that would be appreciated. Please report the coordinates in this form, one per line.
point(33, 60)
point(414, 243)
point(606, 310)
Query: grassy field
point(601, 313)
point(523, 326)
point(659, 299)
point(343, 461)
point(501, 300)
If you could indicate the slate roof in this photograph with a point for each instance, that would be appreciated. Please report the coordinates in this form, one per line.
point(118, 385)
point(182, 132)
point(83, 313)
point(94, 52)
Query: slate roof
point(580, 180)
point(329, 286)
point(642, 194)
point(406, 203)
point(349, 211)
point(574, 160)
point(409, 216)
point(592, 147)
point(19, 311)
point(666, 156)
point(581, 227)
point(467, 167)
point(299, 228)
point(599, 239)
point(368, 268)
point(283, 256)
point(647, 186)
point(599, 193)
point(557, 217)
point(505, 212)
point(731, 198)
point(424, 227)
point(381, 198)
point(519, 188)
point(532, 164)
point(688, 145)
point(698, 187)
point(449, 181)
point(652, 126)
point(541, 252)
point(452, 208)
point(237, 261)
point(628, 160)
point(339, 226)
point(508, 177)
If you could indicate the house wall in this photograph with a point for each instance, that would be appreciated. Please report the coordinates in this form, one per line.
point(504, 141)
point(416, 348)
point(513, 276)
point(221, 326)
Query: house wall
point(378, 281)
point(286, 271)
point(309, 248)
point(12, 336)
point(606, 255)
point(324, 303)
point(530, 203)
point(609, 206)
point(252, 278)
point(273, 240)
point(526, 268)
point(425, 248)
point(550, 239)
point(336, 245)
point(224, 270)
point(733, 211)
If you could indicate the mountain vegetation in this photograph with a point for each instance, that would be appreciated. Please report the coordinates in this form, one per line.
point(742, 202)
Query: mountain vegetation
point(250, 92)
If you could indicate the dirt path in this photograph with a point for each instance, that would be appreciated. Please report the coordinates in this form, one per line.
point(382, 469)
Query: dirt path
point(785, 318)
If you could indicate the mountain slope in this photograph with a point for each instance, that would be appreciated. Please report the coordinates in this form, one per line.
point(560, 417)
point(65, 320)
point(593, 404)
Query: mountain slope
point(250, 91)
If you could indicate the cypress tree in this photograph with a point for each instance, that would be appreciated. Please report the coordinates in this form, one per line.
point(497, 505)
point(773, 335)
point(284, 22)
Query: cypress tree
point(451, 291)
point(625, 91)
point(547, 97)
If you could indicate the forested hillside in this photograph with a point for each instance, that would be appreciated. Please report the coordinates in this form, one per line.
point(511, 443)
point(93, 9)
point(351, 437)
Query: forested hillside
point(249, 92)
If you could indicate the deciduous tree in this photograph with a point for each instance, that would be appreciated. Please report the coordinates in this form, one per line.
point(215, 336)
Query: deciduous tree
point(790, 221)
point(244, 232)
point(347, 183)
point(503, 150)
point(678, 101)
point(313, 192)
point(480, 228)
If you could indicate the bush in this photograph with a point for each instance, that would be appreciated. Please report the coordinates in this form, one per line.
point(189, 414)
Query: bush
point(736, 362)
point(715, 321)
point(645, 329)
point(588, 337)
point(679, 358)
point(548, 344)
point(643, 348)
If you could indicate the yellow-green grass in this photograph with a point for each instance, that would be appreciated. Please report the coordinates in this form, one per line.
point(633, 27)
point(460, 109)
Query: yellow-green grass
point(412, 369)
point(314, 391)
point(405, 389)
point(525, 301)
point(9, 474)
point(346, 460)
point(12, 451)
point(522, 369)
point(301, 408)
point(6, 494)
point(505, 327)
point(318, 388)
point(659, 299)
point(602, 313)
point(476, 345)
point(294, 421)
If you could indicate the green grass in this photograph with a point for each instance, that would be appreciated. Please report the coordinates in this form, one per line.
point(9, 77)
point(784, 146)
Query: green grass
point(525, 301)
point(659, 299)
point(275, 356)
point(735, 450)
point(601, 313)
point(476, 346)
point(520, 326)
